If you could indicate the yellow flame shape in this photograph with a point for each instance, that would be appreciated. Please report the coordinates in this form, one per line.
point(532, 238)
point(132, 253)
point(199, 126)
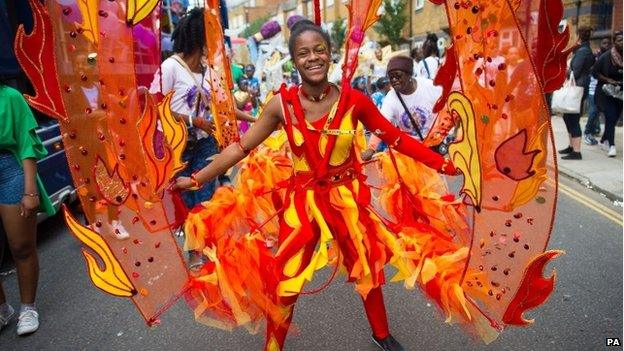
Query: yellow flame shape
point(89, 13)
point(464, 153)
point(138, 10)
point(112, 278)
point(175, 132)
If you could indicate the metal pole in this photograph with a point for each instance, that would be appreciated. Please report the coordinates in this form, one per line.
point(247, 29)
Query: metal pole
point(578, 11)
point(410, 14)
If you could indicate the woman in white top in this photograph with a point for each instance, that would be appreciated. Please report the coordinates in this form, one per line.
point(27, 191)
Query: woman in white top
point(428, 67)
point(184, 73)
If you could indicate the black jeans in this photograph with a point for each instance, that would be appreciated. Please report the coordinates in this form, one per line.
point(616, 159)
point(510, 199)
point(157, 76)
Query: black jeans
point(612, 110)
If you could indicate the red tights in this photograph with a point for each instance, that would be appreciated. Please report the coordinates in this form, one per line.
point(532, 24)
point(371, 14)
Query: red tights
point(373, 305)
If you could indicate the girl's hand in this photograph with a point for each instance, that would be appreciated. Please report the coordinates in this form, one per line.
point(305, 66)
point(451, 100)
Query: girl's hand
point(205, 125)
point(367, 154)
point(29, 205)
point(183, 183)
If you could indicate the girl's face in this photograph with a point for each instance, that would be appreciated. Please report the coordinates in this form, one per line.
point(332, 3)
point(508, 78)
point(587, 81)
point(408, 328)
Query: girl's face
point(312, 57)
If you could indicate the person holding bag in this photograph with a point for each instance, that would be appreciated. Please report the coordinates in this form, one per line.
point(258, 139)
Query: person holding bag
point(580, 68)
point(608, 71)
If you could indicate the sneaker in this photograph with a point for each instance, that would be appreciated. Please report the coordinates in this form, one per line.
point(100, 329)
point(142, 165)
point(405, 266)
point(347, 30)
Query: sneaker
point(388, 343)
point(566, 151)
point(196, 260)
point(6, 317)
point(612, 152)
point(119, 230)
point(572, 156)
point(28, 322)
point(589, 140)
point(604, 145)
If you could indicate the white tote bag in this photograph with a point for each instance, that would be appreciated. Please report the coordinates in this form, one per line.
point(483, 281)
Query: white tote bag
point(568, 98)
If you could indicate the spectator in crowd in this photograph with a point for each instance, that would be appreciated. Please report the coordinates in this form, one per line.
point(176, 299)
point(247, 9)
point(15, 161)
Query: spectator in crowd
point(360, 83)
point(21, 195)
point(383, 87)
point(184, 73)
point(409, 105)
point(581, 64)
point(237, 72)
point(378, 69)
point(253, 88)
point(608, 72)
point(417, 55)
point(428, 67)
point(592, 127)
point(244, 101)
point(250, 70)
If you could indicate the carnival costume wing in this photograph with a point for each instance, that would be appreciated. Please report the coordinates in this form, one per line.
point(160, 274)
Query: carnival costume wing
point(89, 61)
point(504, 56)
point(514, 143)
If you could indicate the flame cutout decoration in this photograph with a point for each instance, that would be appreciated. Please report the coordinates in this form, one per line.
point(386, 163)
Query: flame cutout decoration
point(159, 168)
point(222, 103)
point(175, 132)
point(109, 184)
point(464, 152)
point(138, 10)
point(362, 15)
point(35, 53)
point(112, 278)
point(551, 55)
point(534, 289)
point(512, 158)
point(89, 26)
point(445, 77)
point(527, 188)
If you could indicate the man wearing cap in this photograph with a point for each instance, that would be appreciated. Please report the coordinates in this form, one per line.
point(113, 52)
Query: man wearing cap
point(418, 95)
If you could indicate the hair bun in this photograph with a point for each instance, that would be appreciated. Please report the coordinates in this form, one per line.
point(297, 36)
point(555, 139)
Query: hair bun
point(302, 22)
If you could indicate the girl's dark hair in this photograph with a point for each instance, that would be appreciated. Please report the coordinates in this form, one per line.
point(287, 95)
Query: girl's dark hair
point(188, 35)
point(584, 33)
point(302, 27)
point(430, 46)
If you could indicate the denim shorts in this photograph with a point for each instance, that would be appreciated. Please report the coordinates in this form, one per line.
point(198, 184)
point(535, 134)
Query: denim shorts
point(11, 179)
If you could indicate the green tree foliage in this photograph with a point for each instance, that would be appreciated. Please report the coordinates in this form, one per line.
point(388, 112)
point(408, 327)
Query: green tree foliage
point(338, 33)
point(391, 23)
point(254, 27)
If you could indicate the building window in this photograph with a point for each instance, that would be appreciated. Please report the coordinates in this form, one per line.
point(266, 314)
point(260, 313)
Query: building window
point(419, 4)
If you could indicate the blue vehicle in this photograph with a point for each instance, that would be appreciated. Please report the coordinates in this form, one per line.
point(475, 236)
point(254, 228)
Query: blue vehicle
point(53, 169)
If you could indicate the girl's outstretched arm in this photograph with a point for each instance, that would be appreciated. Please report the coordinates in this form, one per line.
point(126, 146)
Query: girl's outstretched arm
point(231, 155)
point(374, 121)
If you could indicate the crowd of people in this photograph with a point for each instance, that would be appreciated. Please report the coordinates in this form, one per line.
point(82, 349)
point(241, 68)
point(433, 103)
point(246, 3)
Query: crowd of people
point(599, 73)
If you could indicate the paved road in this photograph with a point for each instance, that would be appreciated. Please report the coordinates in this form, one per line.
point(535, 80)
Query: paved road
point(585, 308)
